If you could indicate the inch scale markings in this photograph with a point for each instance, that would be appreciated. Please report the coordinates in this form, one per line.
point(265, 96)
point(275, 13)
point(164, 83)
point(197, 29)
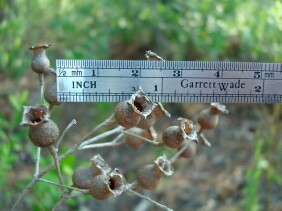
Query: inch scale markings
point(169, 81)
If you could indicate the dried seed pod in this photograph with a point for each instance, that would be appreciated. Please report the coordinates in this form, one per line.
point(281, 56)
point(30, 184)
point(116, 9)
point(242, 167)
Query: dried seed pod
point(190, 150)
point(40, 62)
point(208, 118)
point(149, 176)
point(83, 176)
point(34, 115)
point(50, 94)
point(129, 113)
point(152, 118)
point(135, 141)
point(45, 134)
point(103, 186)
point(172, 137)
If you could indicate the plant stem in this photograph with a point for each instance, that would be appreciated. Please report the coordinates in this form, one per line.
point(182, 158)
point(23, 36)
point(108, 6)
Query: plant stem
point(149, 199)
point(108, 122)
point(24, 192)
point(73, 122)
point(41, 86)
point(54, 154)
point(177, 155)
point(101, 145)
point(101, 136)
point(37, 161)
point(142, 138)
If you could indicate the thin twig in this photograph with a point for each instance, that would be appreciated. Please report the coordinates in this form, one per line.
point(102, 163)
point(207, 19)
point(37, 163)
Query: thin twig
point(51, 70)
point(54, 154)
point(108, 122)
point(177, 155)
point(73, 122)
point(60, 185)
point(72, 150)
point(101, 145)
point(62, 200)
point(101, 136)
point(24, 192)
point(149, 199)
point(37, 161)
point(142, 138)
point(41, 86)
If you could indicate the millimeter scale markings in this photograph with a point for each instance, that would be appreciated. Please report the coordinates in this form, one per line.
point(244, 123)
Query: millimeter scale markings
point(169, 81)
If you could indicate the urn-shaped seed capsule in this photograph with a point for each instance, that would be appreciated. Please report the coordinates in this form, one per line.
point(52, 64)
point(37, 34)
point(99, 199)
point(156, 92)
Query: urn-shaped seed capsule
point(172, 137)
point(208, 118)
point(149, 176)
point(83, 176)
point(50, 94)
point(103, 186)
point(45, 134)
point(40, 62)
point(129, 113)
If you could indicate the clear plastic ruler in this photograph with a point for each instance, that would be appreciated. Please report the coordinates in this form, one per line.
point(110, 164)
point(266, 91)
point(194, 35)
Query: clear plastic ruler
point(169, 81)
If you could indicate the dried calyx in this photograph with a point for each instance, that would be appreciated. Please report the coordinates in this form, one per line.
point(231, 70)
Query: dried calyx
point(129, 113)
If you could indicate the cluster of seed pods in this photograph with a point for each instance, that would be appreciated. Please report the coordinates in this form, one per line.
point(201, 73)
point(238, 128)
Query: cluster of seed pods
point(137, 116)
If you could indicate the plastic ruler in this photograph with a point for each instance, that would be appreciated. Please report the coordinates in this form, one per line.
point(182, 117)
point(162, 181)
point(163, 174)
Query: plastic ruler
point(169, 81)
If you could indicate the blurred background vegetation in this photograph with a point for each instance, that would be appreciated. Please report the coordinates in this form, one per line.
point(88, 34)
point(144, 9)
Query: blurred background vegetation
point(237, 30)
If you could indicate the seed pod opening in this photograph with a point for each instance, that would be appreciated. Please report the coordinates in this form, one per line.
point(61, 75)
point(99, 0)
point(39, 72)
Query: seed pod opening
point(153, 117)
point(129, 113)
point(164, 165)
point(34, 115)
point(188, 129)
point(104, 186)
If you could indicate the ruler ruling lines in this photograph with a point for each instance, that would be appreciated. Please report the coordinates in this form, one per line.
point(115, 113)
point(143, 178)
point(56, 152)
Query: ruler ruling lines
point(169, 81)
